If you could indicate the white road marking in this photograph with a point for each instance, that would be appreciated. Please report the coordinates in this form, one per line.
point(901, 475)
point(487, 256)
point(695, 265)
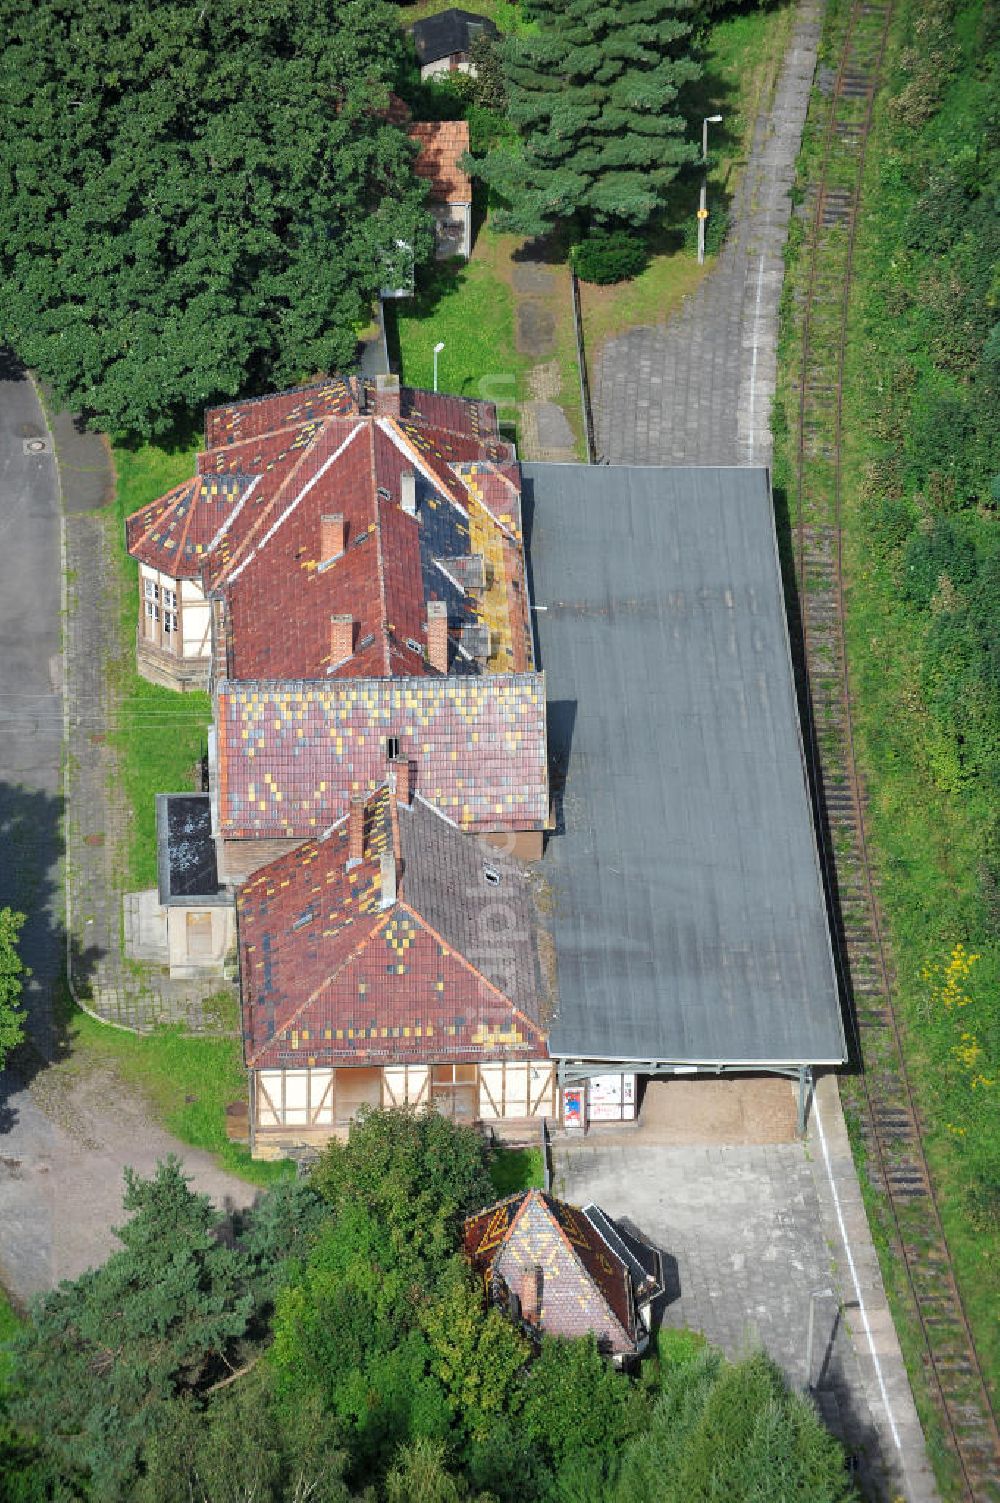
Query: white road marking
point(854, 1276)
point(753, 363)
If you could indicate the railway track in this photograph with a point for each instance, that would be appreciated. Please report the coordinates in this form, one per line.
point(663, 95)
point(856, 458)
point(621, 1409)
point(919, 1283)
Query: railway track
point(881, 1091)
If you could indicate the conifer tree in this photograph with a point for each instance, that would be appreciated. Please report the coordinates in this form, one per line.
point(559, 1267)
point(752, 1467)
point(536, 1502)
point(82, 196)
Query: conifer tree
point(593, 93)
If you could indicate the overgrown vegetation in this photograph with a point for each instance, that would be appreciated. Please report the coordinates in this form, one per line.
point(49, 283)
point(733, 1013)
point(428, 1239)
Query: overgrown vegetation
point(336, 1347)
point(923, 611)
point(159, 734)
point(12, 1015)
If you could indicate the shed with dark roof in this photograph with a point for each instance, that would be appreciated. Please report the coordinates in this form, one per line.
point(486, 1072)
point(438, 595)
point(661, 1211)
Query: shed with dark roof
point(443, 42)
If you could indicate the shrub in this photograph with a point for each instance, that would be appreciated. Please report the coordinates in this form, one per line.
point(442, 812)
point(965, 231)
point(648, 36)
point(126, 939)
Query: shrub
point(928, 555)
point(608, 256)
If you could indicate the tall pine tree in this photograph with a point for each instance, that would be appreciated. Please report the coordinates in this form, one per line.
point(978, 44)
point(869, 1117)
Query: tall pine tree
point(593, 93)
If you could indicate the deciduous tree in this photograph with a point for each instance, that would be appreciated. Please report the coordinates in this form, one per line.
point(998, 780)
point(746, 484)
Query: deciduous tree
point(11, 971)
point(193, 197)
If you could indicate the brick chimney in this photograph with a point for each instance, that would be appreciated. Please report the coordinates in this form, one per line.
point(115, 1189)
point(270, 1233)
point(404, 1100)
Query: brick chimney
point(401, 771)
point(341, 638)
point(332, 536)
point(387, 396)
point(531, 1294)
point(437, 635)
point(388, 879)
point(408, 492)
point(356, 832)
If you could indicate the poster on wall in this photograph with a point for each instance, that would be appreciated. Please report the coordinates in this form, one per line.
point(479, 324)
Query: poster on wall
point(573, 1103)
point(611, 1098)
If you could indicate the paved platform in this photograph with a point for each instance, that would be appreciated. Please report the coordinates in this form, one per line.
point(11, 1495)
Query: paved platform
point(698, 390)
point(750, 1228)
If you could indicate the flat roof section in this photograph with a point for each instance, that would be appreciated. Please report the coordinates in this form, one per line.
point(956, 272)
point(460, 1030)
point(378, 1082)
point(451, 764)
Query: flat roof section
point(186, 850)
point(682, 885)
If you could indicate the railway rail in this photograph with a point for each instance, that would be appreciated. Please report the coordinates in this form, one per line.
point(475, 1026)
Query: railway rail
point(889, 1115)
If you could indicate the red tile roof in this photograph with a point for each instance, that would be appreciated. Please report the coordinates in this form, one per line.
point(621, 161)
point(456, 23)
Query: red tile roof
point(249, 527)
point(291, 755)
point(585, 1285)
point(331, 976)
point(442, 144)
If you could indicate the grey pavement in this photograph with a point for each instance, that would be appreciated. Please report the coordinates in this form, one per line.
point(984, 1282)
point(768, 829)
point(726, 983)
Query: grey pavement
point(30, 692)
point(748, 1233)
point(698, 390)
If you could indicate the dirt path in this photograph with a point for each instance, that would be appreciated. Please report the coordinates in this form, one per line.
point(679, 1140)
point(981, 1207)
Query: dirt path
point(65, 1141)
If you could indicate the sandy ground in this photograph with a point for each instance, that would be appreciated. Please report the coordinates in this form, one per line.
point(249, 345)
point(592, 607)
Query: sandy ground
point(65, 1142)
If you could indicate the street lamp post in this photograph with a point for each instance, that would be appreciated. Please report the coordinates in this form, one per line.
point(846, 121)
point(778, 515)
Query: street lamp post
point(437, 350)
point(703, 204)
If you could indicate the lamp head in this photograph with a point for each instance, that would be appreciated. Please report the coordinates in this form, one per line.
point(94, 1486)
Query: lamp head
point(713, 119)
point(438, 348)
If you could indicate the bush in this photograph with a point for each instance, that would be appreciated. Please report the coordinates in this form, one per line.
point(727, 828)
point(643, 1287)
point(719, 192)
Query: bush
point(716, 228)
point(608, 256)
point(928, 555)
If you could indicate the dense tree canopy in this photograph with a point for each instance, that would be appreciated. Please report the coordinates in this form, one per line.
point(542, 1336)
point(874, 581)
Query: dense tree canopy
point(194, 197)
point(593, 92)
point(333, 1353)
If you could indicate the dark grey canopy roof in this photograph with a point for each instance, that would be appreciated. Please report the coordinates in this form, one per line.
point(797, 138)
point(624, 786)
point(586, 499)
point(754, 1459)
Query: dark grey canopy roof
point(686, 903)
point(449, 31)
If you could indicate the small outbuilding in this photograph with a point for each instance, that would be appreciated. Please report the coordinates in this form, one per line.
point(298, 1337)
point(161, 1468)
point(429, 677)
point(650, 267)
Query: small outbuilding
point(444, 42)
point(566, 1272)
point(443, 144)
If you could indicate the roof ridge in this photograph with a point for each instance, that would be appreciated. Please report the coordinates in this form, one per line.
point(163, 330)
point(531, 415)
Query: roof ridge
point(223, 576)
point(233, 573)
point(464, 960)
point(574, 1254)
point(383, 626)
point(172, 496)
point(380, 919)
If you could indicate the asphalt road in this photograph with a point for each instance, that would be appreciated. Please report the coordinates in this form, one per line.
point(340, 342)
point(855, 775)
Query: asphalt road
point(30, 691)
point(67, 1129)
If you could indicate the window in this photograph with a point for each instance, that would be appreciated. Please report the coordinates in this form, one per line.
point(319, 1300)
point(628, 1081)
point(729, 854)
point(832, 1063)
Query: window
point(169, 610)
point(453, 1089)
point(391, 747)
point(151, 595)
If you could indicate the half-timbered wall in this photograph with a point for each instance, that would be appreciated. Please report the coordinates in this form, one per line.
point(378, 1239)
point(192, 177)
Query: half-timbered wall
point(311, 1099)
point(173, 614)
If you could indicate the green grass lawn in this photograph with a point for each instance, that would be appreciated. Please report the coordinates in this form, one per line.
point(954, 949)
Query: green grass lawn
point(9, 1327)
point(513, 1169)
point(469, 308)
point(187, 1080)
point(161, 734)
